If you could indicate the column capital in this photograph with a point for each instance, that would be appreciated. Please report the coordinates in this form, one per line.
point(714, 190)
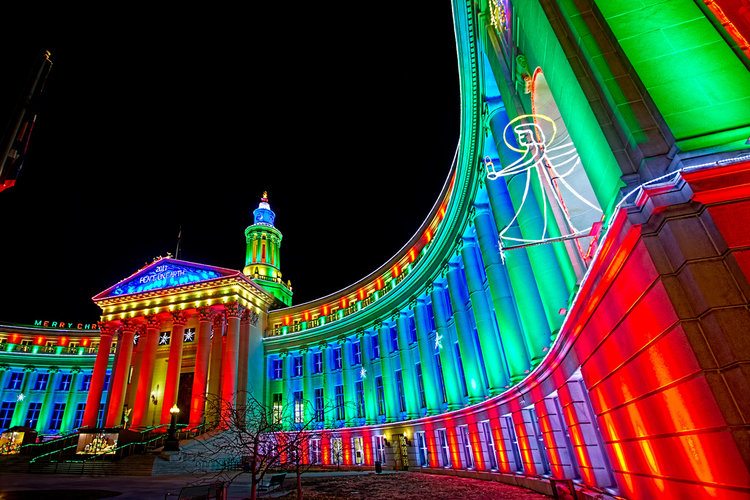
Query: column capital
point(4, 368)
point(153, 321)
point(128, 325)
point(107, 329)
point(323, 345)
point(360, 333)
point(423, 300)
point(469, 241)
point(218, 318)
point(245, 315)
point(304, 350)
point(253, 318)
point(342, 340)
point(412, 303)
point(481, 209)
point(233, 309)
point(53, 369)
point(377, 325)
point(283, 354)
point(75, 369)
point(205, 314)
point(29, 368)
point(179, 318)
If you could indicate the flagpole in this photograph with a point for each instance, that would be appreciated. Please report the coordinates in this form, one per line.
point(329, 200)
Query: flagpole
point(179, 238)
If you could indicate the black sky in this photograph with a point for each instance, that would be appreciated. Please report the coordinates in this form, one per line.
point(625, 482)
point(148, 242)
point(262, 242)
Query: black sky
point(350, 126)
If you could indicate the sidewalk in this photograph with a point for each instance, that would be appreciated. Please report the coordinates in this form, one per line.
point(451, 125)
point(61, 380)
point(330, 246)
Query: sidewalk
point(61, 486)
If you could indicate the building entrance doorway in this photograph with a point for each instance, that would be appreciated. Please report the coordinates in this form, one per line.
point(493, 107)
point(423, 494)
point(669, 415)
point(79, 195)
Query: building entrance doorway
point(184, 393)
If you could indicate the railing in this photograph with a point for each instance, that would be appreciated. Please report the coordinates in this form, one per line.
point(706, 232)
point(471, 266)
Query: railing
point(146, 442)
point(36, 449)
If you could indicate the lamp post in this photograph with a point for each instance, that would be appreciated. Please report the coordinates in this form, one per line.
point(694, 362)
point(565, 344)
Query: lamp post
point(172, 443)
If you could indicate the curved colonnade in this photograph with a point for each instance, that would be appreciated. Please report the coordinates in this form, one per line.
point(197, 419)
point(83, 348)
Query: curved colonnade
point(569, 309)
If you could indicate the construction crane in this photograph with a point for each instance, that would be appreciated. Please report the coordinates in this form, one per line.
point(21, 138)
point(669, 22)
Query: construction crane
point(15, 143)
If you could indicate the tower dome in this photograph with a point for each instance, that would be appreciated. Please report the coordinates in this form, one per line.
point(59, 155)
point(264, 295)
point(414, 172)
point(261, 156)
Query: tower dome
point(262, 258)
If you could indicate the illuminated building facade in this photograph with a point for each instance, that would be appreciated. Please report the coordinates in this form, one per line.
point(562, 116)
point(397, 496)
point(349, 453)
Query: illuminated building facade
point(45, 375)
point(574, 305)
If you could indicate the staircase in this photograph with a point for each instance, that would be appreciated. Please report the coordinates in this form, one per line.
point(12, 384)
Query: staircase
point(135, 465)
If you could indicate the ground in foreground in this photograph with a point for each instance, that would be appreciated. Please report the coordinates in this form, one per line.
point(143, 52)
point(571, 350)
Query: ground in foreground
point(407, 486)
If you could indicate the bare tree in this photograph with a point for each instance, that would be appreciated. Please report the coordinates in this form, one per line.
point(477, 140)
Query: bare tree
point(252, 438)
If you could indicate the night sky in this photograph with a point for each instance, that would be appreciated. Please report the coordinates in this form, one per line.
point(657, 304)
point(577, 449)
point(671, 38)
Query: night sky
point(350, 126)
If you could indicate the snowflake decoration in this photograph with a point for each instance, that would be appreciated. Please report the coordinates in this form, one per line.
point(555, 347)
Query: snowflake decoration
point(363, 372)
point(164, 338)
point(189, 335)
point(438, 343)
point(21, 397)
point(136, 337)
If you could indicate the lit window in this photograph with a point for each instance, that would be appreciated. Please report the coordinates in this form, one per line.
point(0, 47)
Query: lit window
point(463, 431)
point(337, 358)
point(32, 415)
point(412, 330)
point(422, 451)
point(356, 353)
point(400, 389)
point(336, 450)
point(42, 379)
point(299, 408)
point(277, 409)
point(318, 362)
point(380, 449)
point(297, 363)
point(445, 452)
point(58, 410)
point(85, 381)
point(315, 450)
point(490, 442)
point(420, 387)
point(339, 390)
point(319, 405)
point(15, 381)
point(360, 394)
point(66, 379)
point(380, 395)
point(78, 417)
point(394, 338)
point(6, 413)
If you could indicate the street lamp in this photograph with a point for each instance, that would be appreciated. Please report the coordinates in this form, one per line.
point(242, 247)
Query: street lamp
point(172, 443)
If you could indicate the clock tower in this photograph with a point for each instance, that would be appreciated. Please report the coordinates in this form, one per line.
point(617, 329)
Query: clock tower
point(262, 261)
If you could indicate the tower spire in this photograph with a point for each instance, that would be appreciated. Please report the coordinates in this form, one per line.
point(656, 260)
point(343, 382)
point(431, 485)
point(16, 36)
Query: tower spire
point(262, 258)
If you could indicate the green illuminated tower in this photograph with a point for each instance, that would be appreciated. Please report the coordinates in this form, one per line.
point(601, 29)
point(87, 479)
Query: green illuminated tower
point(262, 259)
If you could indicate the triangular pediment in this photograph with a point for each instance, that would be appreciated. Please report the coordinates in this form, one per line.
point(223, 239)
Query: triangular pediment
point(165, 273)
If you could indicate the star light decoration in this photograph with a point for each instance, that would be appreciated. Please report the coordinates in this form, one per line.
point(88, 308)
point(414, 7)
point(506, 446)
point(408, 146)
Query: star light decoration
point(21, 397)
point(363, 372)
point(189, 335)
point(164, 338)
point(438, 343)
